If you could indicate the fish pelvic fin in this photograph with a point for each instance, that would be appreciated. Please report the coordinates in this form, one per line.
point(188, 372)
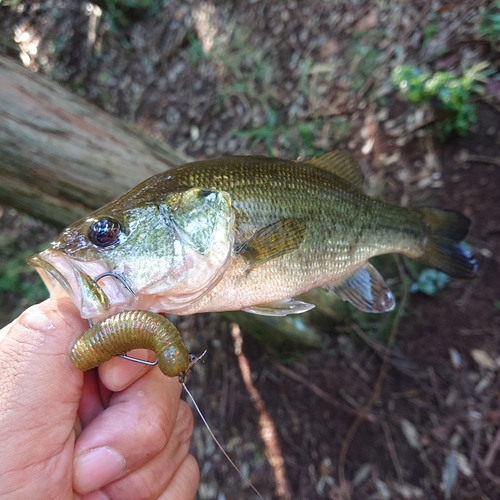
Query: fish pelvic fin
point(273, 241)
point(280, 308)
point(366, 290)
point(341, 164)
point(445, 230)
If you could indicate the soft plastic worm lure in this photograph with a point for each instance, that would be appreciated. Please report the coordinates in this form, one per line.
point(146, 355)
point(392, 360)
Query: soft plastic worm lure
point(129, 330)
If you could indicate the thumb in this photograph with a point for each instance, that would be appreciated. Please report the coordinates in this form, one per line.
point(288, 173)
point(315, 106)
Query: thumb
point(39, 382)
point(39, 394)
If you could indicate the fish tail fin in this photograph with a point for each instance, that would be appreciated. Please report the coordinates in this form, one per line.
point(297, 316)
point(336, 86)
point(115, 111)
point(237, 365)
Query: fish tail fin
point(445, 230)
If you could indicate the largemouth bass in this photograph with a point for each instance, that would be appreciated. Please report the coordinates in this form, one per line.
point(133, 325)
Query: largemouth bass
point(246, 233)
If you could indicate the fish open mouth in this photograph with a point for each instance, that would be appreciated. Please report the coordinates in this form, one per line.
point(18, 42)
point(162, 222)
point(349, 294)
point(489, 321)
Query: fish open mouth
point(95, 291)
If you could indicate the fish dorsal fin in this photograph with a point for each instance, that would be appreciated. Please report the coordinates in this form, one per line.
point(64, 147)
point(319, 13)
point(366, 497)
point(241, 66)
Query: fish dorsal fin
point(340, 163)
point(199, 214)
point(366, 290)
point(280, 308)
point(273, 241)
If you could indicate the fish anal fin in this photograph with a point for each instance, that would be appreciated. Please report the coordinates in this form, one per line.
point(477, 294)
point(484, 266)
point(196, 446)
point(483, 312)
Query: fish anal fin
point(341, 164)
point(366, 290)
point(273, 241)
point(280, 308)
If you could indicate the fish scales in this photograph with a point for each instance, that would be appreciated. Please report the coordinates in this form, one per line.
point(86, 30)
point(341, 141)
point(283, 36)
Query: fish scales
point(264, 191)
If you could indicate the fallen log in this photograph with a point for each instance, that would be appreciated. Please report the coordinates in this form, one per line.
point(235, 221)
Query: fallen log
point(62, 157)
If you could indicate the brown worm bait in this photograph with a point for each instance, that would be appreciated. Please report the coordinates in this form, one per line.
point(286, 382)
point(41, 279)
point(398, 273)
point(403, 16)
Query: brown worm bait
point(129, 330)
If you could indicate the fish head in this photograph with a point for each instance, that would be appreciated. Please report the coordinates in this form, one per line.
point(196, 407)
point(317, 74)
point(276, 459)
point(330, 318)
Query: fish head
point(138, 254)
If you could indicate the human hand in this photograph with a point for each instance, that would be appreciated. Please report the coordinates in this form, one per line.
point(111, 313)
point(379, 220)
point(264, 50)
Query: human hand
point(118, 432)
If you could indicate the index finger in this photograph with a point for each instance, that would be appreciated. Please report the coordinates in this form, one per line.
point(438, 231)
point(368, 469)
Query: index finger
point(129, 433)
point(118, 374)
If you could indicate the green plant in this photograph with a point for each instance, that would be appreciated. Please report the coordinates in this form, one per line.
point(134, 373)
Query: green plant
point(266, 133)
point(243, 67)
point(429, 282)
point(297, 138)
point(10, 3)
point(364, 58)
point(490, 24)
point(432, 27)
point(195, 51)
point(449, 94)
point(245, 70)
point(19, 279)
point(122, 13)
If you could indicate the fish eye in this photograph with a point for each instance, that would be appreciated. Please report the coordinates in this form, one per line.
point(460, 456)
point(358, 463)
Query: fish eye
point(104, 232)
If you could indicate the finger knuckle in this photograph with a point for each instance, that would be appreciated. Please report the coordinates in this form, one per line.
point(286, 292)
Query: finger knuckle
point(185, 422)
point(153, 427)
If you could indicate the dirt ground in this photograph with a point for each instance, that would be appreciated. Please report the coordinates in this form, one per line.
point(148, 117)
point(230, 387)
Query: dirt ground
point(351, 418)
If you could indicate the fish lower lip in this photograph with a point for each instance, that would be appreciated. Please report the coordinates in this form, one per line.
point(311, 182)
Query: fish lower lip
point(63, 276)
point(47, 271)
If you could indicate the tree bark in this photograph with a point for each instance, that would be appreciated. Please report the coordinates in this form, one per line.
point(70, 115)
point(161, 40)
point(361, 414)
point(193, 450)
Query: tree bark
point(61, 157)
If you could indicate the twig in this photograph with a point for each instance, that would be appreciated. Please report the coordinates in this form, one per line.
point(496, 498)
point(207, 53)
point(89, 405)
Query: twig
point(434, 384)
point(392, 452)
point(363, 415)
point(467, 158)
point(376, 393)
point(375, 345)
point(267, 426)
point(356, 366)
point(490, 456)
point(489, 101)
point(487, 472)
point(399, 363)
point(420, 125)
point(474, 451)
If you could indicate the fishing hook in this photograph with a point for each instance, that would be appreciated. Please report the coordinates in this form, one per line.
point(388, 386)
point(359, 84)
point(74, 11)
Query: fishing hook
point(122, 280)
point(182, 376)
point(119, 277)
point(193, 358)
point(131, 358)
point(139, 360)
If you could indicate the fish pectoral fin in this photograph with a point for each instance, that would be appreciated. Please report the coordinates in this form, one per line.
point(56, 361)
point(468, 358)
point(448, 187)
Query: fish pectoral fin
point(272, 241)
point(280, 308)
point(367, 290)
point(340, 163)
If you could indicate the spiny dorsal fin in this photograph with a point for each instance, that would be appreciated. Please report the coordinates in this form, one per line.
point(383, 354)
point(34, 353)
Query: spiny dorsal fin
point(272, 241)
point(367, 290)
point(340, 163)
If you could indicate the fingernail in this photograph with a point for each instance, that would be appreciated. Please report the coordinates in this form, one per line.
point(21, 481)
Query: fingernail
point(96, 495)
point(97, 467)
